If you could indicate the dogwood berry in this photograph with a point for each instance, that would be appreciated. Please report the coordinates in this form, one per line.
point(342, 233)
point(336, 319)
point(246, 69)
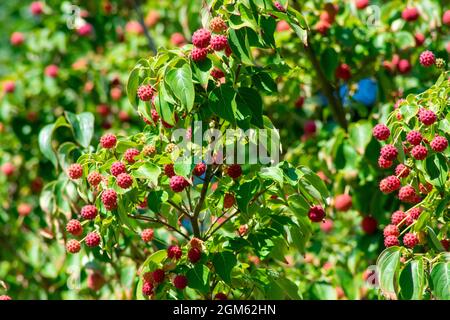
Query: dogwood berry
point(199, 169)
point(234, 171)
point(381, 132)
point(383, 163)
point(145, 92)
point(89, 212)
point(174, 252)
point(177, 183)
point(410, 14)
point(397, 217)
point(92, 239)
point(219, 42)
point(199, 54)
point(74, 227)
point(216, 73)
point(201, 38)
point(109, 199)
point(180, 282)
point(343, 202)
point(194, 255)
point(217, 25)
point(391, 241)
point(343, 72)
point(427, 117)
point(410, 240)
point(427, 58)
point(147, 288)
point(73, 246)
point(316, 213)
point(419, 152)
point(108, 141)
point(228, 200)
point(391, 230)
point(369, 224)
point(124, 180)
point(389, 152)
point(401, 171)
point(414, 137)
point(407, 194)
point(75, 171)
point(130, 154)
point(147, 235)
point(118, 168)
point(439, 144)
point(389, 184)
point(94, 178)
point(158, 276)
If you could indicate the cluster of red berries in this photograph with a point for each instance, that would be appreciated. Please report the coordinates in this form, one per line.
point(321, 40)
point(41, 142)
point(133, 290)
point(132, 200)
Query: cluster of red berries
point(204, 42)
point(399, 219)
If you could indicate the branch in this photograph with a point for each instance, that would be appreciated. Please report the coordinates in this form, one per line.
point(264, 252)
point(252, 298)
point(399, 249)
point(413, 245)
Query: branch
point(159, 221)
point(182, 211)
point(151, 42)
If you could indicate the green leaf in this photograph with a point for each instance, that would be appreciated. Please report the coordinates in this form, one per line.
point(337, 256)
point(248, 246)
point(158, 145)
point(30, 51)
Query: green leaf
point(298, 205)
point(156, 258)
point(412, 280)
point(239, 44)
point(180, 81)
point(404, 40)
point(264, 81)
point(329, 62)
point(251, 99)
point(360, 134)
point(245, 193)
point(272, 173)
point(222, 102)
point(198, 278)
point(436, 167)
point(440, 281)
point(45, 139)
point(163, 106)
point(148, 171)
point(388, 264)
point(132, 86)
point(64, 152)
point(82, 127)
point(323, 291)
point(224, 263)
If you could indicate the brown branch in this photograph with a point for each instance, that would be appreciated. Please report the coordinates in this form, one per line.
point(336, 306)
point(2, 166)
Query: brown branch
point(144, 218)
point(151, 42)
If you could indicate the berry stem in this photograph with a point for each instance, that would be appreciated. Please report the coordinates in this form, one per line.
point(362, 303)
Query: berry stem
point(161, 222)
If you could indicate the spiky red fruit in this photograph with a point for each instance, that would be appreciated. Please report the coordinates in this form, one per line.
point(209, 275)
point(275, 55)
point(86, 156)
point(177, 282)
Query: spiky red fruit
point(389, 184)
point(5, 297)
point(381, 132)
point(85, 30)
point(427, 117)
point(147, 235)
point(169, 170)
point(383, 163)
point(343, 72)
point(124, 180)
point(17, 38)
point(177, 183)
point(217, 25)
point(228, 200)
point(439, 144)
point(415, 212)
point(75, 171)
point(36, 8)
point(118, 168)
point(201, 38)
point(407, 194)
point(89, 212)
point(343, 202)
point(9, 86)
point(219, 42)
point(404, 66)
point(94, 178)
point(410, 14)
point(402, 171)
point(130, 154)
point(369, 224)
point(326, 226)
point(361, 4)
point(73, 246)
point(145, 92)
point(234, 171)
point(419, 152)
point(199, 54)
point(174, 252)
point(180, 282)
point(177, 39)
point(391, 230)
point(446, 244)
point(419, 38)
point(446, 18)
point(51, 71)
point(158, 275)
point(316, 213)
point(92, 239)
point(194, 255)
point(196, 243)
point(389, 152)
point(109, 199)
point(216, 73)
point(427, 58)
point(410, 240)
point(397, 217)
point(95, 281)
point(8, 169)
point(74, 227)
point(425, 188)
point(322, 27)
point(24, 209)
point(108, 141)
point(147, 288)
point(391, 241)
point(220, 296)
point(199, 169)
point(414, 137)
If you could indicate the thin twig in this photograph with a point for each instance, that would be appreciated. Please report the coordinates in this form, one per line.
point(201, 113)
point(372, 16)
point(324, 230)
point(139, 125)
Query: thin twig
point(151, 42)
point(159, 221)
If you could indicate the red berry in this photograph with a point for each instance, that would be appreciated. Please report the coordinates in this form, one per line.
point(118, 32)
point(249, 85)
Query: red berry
point(397, 217)
point(124, 180)
point(427, 58)
point(36, 8)
point(145, 92)
point(361, 4)
point(316, 214)
point(389, 184)
point(401, 171)
point(174, 252)
point(199, 169)
point(194, 255)
point(419, 152)
point(108, 141)
point(180, 282)
point(201, 38)
point(89, 212)
point(383, 163)
point(94, 178)
point(410, 14)
point(216, 73)
point(381, 132)
point(158, 275)
point(155, 115)
point(415, 212)
point(118, 168)
point(343, 72)
point(147, 288)
point(446, 18)
point(85, 30)
point(92, 239)
point(279, 6)
point(228, 200)
point(24, 209)
point(109, 199)
point(425, 189)
point(219, 42)
point(407, 194)
point(17, 38)
point(75, 171)
point(420, 39)
point(343, 202)
point(427, 117)
point(95, 281)
point(326, 226)
point(130, 154)
point(147, 235)
point(199, 54)
point(299, 102)
point(178, 183)
point(234, 171)
point(309, 127)
point(414, 137)
point(369, 224)
point(8, 169)
point(5, 298)
point(51, 71)
point(220, 296)
point(169, 170)
point(391, 241)
point(404, 66)
point(391, 230)
point(389, 152)
point(74, 227)
point(322, 27)
point(445, 243)
point(196, 243)
point(439, 144)
point(410, 240)
point(217, 25)
point(73, 246)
